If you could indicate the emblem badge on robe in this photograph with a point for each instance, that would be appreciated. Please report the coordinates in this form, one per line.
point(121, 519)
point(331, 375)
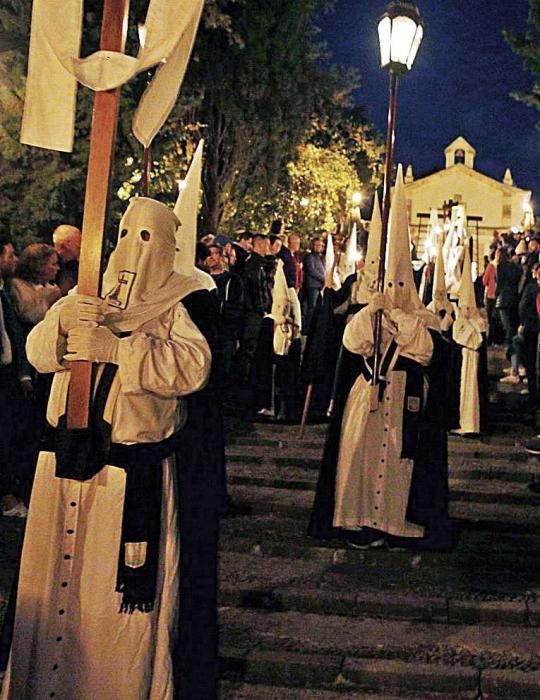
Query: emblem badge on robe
point(119, 297)
point(413, 404)
point(135, 554)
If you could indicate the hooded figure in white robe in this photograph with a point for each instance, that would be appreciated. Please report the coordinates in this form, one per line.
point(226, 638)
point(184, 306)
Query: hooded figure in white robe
point(277, 363)
point(469, 333)
point(391, 480)
point(440, 305)
point(97, 602)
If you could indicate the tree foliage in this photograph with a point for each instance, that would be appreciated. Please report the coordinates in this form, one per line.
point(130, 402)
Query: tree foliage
point(276, 117)
point(527, 45)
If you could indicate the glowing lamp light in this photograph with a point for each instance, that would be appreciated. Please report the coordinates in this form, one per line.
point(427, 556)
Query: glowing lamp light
point(304, 202)
point(400, 34)
point(356, 198)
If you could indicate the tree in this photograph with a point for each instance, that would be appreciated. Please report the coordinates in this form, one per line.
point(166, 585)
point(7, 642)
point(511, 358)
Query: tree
point(259, 89)
point(527, 45)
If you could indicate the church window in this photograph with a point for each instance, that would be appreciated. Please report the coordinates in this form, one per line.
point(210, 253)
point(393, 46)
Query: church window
point(459, 156)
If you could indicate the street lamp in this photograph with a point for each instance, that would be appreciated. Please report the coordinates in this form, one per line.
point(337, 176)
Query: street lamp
point(400, 33)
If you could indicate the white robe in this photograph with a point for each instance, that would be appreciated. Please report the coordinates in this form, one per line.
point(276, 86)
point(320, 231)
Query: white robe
point(467, 332)
point(372, 480)
point(69, 637)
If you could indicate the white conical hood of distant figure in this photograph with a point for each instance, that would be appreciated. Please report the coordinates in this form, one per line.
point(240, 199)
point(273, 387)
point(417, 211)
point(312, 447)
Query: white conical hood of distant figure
point(332, 279)
point(434, 238)
point(440, 305)
point(368, 274)
point(347, 263)
point(280, 295)
point(186, 210)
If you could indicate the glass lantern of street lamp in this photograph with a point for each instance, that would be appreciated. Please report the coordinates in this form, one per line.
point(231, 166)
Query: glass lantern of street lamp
point(356, 199)
point(400, 34)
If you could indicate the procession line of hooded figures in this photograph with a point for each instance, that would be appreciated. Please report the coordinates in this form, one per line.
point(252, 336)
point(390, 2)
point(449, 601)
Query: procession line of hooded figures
point(116, 593)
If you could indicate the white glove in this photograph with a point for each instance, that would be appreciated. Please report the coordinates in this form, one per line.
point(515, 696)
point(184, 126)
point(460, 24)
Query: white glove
point(95, 344)
point(377, 302)
point(80, 310)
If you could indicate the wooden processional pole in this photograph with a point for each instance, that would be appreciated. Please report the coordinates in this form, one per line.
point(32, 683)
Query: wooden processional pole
point(102, 140)
point(390, 138)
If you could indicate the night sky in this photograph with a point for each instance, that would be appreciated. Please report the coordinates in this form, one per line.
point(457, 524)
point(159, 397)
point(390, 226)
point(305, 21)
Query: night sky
point(459, 84)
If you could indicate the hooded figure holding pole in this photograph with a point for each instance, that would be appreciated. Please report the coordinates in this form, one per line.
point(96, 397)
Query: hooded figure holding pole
point(99, 579)
point(391, 480)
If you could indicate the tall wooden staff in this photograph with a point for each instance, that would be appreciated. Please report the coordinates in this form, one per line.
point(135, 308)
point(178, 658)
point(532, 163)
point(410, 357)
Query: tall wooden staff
point(102, 139)
point(390, 138)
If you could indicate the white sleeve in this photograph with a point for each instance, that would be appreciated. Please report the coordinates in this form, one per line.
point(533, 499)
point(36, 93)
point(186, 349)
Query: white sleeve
point(358, 335)
point(466, 334)
point(173, 366)
point(45, 345)
point(412, 336)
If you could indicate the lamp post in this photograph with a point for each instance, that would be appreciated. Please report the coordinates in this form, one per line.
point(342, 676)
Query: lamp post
point(400, 34)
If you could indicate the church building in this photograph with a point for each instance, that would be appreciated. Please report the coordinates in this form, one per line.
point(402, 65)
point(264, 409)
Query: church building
point(490, 204)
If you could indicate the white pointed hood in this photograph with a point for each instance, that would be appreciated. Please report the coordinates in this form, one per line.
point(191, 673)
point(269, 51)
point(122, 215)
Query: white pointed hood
point(280, 295)
point(332, 278)
point(186, 210)
point(347, 262)
point(440, 304)
point(371, 267)
point(285, 312)
point(469, 325)
point(466, 298)
point(399, 281)
point(140, 282)
point(399, 284)
point(433, 239)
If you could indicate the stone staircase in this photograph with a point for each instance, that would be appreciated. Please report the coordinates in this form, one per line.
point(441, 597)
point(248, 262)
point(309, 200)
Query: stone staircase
point(317, 620)
point(307, 620)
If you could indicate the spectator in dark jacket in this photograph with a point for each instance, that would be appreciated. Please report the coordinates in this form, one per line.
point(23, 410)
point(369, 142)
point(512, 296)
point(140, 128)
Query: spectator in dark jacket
point(528, 318)
point(314, 276)
point(257, 302)
point(294, 247)
point(242, 249)
point(230, 294)
point(15, 383)
point(507, 295)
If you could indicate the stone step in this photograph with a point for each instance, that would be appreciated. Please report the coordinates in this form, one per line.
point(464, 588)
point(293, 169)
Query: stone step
point(470, 512)
point(457, 446)
point(310, 677)
point(378, 583)
point(311, 458)
point(505, 574)
point(321, 651)
point(276, 530)
point(249, 691)
point(394, 605)
point(464, 486)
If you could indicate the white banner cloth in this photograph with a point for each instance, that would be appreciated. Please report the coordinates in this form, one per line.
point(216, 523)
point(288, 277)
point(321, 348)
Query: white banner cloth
point(54, 68)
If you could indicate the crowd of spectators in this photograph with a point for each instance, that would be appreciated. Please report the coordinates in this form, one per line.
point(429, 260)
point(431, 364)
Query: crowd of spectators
point(510, 279)
point(29, 285)
point(243, 271)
